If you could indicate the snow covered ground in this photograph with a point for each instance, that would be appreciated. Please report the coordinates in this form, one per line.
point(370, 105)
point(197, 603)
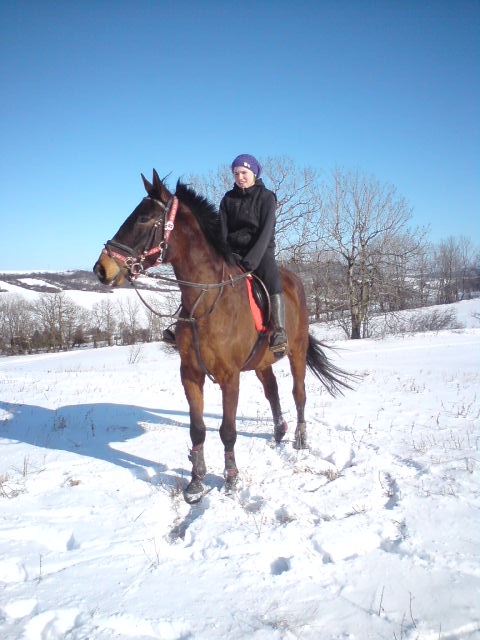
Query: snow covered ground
point(373, 533)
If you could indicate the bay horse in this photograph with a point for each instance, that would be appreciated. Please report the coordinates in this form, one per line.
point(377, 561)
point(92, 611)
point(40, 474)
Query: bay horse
point(215, 334)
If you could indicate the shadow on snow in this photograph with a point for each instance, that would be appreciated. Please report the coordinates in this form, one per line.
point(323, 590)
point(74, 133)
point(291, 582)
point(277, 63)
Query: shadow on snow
point(95, 430)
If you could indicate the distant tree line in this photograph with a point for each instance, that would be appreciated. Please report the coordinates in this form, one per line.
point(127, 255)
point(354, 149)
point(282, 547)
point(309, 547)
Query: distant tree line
point(55, 322)
point(347, 237)
point(409, 275)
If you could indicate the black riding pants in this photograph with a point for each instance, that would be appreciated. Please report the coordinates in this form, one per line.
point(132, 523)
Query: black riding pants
point(268, 271)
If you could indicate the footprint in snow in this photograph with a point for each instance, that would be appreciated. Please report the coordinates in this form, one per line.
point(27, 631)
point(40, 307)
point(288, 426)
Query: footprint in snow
point(16, 609)
point(52, 624)
point(279, 566)
point(12, 570)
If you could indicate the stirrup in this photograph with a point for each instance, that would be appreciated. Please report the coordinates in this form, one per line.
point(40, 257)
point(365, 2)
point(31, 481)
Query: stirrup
point(278, 334)
point(279, 350)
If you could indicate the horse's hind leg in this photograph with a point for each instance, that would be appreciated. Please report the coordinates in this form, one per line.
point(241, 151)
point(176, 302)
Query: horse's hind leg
point(298, 366)
point(270, 387)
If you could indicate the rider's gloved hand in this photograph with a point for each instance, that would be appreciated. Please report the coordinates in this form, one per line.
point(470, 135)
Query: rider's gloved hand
point(246, 265)
point(241, 262)
point(238, 259)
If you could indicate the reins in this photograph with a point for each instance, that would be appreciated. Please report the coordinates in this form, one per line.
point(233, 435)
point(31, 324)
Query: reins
point(134, 263)
point(195, 285)
point(191, 318)
point(198, 285)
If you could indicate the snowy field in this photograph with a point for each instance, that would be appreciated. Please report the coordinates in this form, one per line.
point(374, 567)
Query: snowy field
point(372, 534)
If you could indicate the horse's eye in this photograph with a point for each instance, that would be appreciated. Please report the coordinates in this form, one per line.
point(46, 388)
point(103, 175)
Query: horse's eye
point(143, 219)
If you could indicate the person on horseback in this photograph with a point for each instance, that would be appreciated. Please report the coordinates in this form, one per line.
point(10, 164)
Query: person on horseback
point(247, 222)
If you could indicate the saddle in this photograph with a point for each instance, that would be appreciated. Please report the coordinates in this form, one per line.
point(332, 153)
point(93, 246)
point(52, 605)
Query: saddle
point(259, 306)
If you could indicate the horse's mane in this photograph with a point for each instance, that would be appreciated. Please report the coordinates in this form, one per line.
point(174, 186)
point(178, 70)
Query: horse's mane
point(207, 217)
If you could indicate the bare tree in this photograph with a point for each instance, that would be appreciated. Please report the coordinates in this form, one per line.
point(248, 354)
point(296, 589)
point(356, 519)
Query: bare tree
point(298, 206)
point(214, 185)
point(16, 324)
point(73, 321)
point(58, 317)
point(447, 266)
point(104, 322)
point(361, 226)
point(323, 276)
point(298, 201)
point(455, 265)
point(161, 312)
point(129, 312)
point(396, 282)
point(422, 271)
point(469, 263)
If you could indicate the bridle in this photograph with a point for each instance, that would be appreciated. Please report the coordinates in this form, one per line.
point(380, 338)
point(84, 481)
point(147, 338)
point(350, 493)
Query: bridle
point(125, 256)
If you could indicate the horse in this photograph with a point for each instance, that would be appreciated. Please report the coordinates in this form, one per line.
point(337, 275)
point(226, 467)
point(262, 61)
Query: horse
point(215, 333)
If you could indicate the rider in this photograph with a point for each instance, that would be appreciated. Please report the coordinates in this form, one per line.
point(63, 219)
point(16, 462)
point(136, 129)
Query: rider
point(247, 219)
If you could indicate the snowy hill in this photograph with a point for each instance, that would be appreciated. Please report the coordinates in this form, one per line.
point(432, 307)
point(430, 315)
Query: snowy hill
point(71, 282)
point(373, 533)
point(50, 281)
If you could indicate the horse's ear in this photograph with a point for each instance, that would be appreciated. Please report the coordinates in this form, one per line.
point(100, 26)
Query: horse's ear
point(148, 185)
point(157, 183)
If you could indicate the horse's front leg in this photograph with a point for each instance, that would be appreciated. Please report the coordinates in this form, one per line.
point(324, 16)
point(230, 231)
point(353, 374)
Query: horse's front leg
point(193, 382)
point(228, 429)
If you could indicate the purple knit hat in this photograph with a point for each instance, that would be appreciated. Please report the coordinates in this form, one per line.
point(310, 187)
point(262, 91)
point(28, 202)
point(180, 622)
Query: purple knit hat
point(248, 161)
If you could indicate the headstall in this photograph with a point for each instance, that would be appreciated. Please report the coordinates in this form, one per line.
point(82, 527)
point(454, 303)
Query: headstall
point(131, 259)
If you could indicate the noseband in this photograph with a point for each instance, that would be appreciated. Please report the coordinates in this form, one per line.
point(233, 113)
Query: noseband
point(133, 260)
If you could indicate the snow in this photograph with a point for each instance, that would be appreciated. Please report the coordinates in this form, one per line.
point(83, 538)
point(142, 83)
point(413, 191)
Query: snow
point(372, 533)
point(27, 294)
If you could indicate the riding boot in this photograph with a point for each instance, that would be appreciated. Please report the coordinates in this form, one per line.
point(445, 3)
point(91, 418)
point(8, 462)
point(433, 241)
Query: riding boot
point(278, 337)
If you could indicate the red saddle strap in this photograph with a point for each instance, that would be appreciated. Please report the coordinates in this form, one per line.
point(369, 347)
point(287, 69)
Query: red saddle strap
point(255, 309)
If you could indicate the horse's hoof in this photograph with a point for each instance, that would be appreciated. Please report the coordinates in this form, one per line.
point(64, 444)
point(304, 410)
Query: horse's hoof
point(231, 485)
point(280, 431)
point(300, 441)
point(300, 438)
point(194, 492)
point(301, 445)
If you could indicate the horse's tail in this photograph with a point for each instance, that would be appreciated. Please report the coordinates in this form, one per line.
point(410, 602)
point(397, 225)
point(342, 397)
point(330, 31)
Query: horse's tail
point(333, 378)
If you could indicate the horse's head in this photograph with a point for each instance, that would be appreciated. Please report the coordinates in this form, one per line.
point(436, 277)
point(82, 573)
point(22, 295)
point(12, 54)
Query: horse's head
point(141, 241)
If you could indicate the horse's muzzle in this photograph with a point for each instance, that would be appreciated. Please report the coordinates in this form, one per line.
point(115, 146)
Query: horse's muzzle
point(99, 271)
point(109, 272)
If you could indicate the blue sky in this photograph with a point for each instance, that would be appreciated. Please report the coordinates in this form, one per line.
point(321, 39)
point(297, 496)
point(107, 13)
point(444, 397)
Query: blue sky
point(93, 93)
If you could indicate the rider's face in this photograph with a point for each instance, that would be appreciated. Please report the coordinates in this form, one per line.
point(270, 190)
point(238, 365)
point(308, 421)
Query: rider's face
point(243, 177)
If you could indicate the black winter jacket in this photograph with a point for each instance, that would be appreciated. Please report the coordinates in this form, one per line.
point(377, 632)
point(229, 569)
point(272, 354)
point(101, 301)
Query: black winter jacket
point(247, 220)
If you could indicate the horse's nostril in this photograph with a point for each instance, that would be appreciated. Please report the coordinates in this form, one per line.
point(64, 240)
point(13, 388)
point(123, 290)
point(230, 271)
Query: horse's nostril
point(99, 271)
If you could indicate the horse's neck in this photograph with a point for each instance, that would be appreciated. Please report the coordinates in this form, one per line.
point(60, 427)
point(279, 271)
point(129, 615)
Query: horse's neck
point(193, 260)
point(198, 271)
